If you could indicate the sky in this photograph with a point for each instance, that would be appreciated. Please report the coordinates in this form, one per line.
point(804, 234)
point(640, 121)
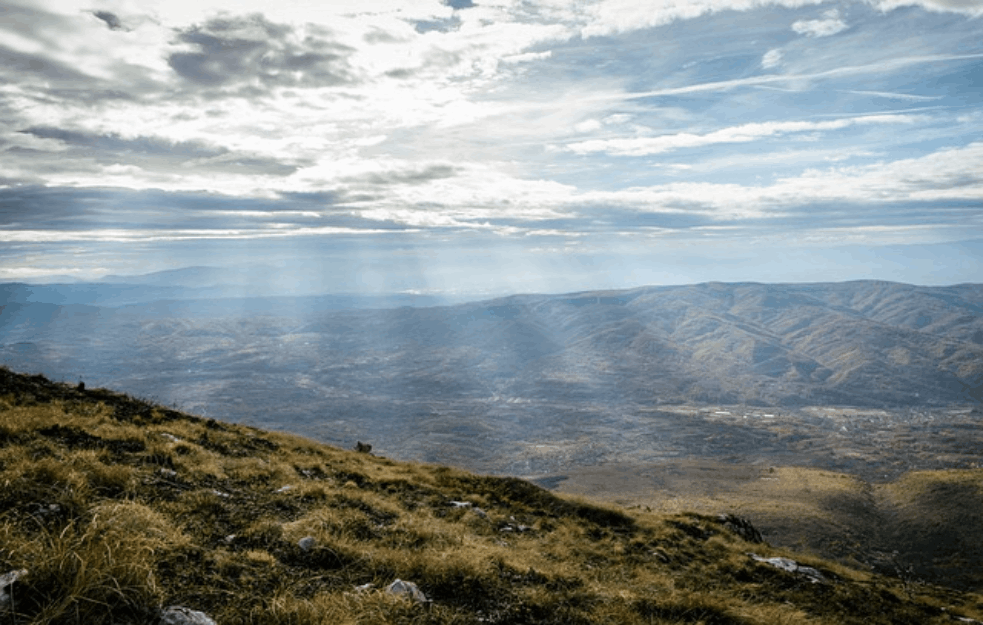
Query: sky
point(492, 146)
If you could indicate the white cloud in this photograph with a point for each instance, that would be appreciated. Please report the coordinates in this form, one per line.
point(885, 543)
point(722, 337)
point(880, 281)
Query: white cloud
point(643, 146)
point(527, 57)
point(140, 235)
point(829, 25)
point(608, 17)
point(588, 125)
point(966, 7)
point(772, 58)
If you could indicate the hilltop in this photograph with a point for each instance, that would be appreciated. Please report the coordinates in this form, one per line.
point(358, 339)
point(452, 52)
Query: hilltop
point(115, 507)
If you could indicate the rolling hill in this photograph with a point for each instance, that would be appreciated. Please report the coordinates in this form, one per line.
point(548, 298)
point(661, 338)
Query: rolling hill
point(116, 510)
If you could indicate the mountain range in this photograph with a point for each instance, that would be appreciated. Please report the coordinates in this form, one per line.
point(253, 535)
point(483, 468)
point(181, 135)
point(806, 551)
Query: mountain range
point(854, 343)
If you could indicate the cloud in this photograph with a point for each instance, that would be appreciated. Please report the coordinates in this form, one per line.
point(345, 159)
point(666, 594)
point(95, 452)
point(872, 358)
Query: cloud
point(642, 146)
point(250, 50)
point(411, 176)
point(115, 144)
point(150, 152)
point(527, 57)
point(612, 17)
point(895, 96)
point(772, 58)
point(829, 25)
point(966, 7)
point(608, 17)
point(111, 19)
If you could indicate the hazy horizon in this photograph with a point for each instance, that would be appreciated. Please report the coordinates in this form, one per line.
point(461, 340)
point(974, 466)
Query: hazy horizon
point(493, 146)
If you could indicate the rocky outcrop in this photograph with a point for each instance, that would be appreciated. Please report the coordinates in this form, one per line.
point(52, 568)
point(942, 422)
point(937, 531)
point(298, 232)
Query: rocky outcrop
point(791, 566)
point(179, 615)
point(742, 527)
point(407, 589)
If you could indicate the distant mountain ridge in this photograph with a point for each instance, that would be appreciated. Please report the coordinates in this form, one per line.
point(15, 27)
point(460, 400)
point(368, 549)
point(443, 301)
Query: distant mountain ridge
point(853, 343)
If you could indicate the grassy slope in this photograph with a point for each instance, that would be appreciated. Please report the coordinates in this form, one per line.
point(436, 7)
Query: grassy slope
point(924, 526)
point(116, 507)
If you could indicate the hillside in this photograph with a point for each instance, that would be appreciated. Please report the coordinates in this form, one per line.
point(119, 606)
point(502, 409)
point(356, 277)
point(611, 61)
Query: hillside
point(856, 343)
point(116, 507)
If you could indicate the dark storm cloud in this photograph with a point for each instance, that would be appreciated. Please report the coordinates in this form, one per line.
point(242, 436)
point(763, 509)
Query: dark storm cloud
point(112, 21)
point(236, 51)
point(158, 152)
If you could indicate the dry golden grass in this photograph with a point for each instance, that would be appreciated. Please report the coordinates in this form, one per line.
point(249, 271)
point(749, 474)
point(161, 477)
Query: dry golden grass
point(117, 507)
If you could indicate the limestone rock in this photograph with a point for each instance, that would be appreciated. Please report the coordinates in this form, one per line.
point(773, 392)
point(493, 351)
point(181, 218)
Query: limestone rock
point(307, 543)
point(791, 566)
point(179, 615)
point(6, 589)
point(409, 589)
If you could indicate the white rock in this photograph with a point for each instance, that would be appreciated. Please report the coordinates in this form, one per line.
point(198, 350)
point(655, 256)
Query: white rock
point(307, 543)
point(791, 566)
point(411, 590)
point(6, 592)
point(178, 615)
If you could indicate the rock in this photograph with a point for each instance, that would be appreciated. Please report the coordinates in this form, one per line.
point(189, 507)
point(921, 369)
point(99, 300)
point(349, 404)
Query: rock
point(742, 527)
point(7, 589)
point(362, 448)
point(791, 566)
point(168, 473)
point(467, 505)
point(307, 543)
point(45, 512)
point(179, 615)
point(409, 589)
point(514, 527)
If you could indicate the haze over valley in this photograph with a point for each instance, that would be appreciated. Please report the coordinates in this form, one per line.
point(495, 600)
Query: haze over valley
point(483, 383)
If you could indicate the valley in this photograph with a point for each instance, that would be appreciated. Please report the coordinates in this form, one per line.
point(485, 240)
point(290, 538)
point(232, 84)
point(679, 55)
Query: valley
point(800, 406)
